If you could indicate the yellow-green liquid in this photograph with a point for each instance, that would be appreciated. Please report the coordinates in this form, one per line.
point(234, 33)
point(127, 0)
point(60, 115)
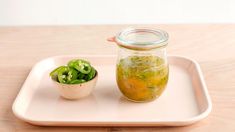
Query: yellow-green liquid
point(142, 78)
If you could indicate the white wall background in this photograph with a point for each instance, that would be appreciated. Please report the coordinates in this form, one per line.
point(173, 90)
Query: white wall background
point(63, 12)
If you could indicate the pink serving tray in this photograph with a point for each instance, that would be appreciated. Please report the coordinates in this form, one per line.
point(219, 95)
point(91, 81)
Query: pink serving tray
point(185, 100)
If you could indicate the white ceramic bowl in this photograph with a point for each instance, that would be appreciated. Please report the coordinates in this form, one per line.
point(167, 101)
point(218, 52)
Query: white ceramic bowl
point(76, 91)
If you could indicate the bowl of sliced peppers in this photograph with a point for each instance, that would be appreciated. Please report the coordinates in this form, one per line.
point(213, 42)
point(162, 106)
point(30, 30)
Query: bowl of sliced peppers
point(76, 79)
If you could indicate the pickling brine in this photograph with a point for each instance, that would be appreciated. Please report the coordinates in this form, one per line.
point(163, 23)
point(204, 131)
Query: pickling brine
point(142, 78)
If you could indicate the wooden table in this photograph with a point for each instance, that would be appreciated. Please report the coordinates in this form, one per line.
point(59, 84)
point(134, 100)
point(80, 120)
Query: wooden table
point(213, 46)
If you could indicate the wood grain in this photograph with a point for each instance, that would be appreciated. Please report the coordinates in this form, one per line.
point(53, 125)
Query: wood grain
point(212, 45)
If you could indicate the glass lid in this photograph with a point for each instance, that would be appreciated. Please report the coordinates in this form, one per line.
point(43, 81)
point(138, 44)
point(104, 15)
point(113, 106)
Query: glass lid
point(142, 38)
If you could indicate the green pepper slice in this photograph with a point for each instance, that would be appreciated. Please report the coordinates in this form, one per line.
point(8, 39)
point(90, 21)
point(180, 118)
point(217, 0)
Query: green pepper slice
point(80, 75)
point(80, 65)
point(84, 68)
point(67, 74)
point(92, 73)
point(72, 63)
point(54, 73)
point(62, 74)
point(77, 81)
point(72, 74)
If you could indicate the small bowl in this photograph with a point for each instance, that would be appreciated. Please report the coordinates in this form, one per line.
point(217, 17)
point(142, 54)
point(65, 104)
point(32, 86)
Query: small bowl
point(76, 91)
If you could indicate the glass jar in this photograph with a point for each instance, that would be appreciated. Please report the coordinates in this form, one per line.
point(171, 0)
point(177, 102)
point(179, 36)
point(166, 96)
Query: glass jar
point(142, 68)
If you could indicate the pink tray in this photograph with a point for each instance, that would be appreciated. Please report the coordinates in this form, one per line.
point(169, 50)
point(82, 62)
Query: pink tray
point(184, 101)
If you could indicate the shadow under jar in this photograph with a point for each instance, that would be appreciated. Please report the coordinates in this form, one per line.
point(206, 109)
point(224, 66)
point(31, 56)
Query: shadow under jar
point(142, 69)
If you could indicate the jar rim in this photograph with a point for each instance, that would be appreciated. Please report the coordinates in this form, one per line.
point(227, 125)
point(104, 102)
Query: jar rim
point(157, 38)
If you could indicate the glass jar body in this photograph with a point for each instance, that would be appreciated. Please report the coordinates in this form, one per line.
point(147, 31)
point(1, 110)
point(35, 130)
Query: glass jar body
point(142, 75)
